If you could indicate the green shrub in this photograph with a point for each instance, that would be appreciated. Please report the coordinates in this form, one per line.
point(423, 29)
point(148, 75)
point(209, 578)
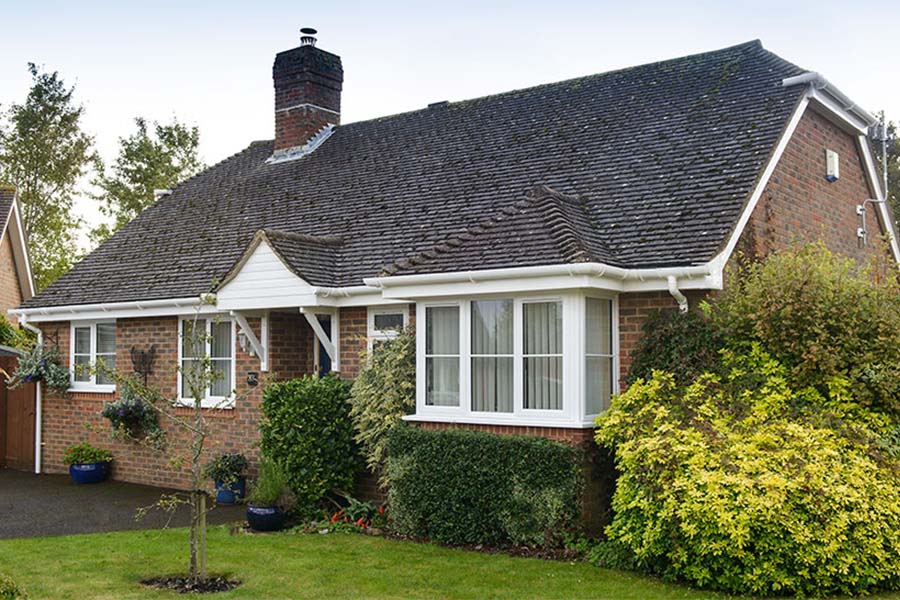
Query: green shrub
point(83, 452)
point(226, 468)
point(9, 590)
point(271, 487)
point(684, 344)
point(382, 394)
point(306, 428)
point(822, 316)
point(468, 487)
point(748, 484)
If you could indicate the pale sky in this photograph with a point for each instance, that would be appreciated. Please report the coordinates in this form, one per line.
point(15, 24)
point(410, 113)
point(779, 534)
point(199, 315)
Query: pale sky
point(209, 63)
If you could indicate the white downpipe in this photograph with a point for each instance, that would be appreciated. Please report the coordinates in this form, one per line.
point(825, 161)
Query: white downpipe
point(38, 413)
point(680, 298)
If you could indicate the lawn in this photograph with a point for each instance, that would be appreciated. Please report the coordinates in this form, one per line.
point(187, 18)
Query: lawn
point(306, 566)
point(109, 566)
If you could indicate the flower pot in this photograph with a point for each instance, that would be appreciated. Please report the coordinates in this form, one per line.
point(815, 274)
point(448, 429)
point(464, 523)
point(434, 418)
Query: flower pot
point(265, 518)
point(89, 472)
point(231, 492)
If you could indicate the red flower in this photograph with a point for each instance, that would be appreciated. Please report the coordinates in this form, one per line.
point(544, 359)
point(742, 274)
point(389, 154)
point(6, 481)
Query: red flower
point(381, 509)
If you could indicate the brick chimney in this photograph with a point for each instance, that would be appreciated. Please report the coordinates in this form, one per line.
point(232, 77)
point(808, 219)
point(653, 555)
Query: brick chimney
point(307, 92)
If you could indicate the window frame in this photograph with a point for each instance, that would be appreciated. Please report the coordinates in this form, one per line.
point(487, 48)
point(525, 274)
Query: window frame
point(92, 385)
point(614, 348)
point(382, 335)
point(572, 413)
point(472, 355)
point(209, 401)
point(421, 358)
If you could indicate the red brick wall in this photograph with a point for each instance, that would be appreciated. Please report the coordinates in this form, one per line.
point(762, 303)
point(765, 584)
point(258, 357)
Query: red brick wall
point(10, 291)
point(353, 331)
point(70, 419)
point(799, 204)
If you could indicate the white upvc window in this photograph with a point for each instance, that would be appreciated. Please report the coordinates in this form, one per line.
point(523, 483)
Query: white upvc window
point(385, 323)
point(215, 340)
point(92, 356)
point(542, 360)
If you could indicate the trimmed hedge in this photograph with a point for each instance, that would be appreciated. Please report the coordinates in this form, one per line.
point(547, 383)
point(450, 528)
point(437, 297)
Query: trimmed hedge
point(470, 487)
point(306, 429)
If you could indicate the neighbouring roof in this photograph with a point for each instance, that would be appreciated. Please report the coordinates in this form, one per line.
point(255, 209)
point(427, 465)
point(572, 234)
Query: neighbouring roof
point(644, 167)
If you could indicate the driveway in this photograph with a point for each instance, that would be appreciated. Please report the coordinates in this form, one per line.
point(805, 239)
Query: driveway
point(41, 505)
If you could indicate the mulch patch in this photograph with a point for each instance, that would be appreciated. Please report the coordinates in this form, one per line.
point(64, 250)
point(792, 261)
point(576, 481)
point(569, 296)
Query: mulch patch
point(562, 554)
point(183, 585)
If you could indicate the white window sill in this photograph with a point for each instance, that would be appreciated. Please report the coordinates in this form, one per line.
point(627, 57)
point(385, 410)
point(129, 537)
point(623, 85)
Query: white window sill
point(92, 389)
point(213, 403)
point(501, 419)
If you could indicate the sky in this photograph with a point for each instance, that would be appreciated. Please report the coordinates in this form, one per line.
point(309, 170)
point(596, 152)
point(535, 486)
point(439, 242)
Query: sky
point(209, 63)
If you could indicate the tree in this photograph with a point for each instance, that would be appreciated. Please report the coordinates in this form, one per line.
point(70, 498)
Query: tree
point(148, 160)
point(893, 165)
point(44, 152)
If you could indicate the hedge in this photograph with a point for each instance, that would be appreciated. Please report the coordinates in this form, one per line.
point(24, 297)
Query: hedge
point(306, 428)
point(469, 487)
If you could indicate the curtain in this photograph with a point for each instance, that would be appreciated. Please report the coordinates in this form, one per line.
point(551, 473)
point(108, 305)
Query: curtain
point(442, 356)
point(220, 359)
point(598, 355)
point(492, 372)
point(542, 355)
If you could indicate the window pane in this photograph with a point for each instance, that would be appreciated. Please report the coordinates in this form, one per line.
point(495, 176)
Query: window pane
point(82, 368)
point(220, 344)
point(442, 330)
point(492, 384)
point(189, 374)
point(598, 326)
point(543, 383)
point(492, 327)
point(598, 383)
point(193, 342)
point(442, 381)
point(106, 338)
point(388, 321)
point(221, 378)
point(106, 364)
point(82, 340)
point(543, 327)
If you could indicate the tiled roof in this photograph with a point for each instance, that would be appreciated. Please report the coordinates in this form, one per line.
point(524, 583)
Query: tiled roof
point(651, 166)
point(7, 197)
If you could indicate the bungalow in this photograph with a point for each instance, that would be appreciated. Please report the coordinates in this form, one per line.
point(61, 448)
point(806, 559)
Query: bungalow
point(527, 234)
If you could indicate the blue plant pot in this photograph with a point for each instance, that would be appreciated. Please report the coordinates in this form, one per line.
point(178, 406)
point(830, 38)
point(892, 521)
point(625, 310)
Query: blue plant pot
point(265, 518)
point(232, 492)
point(89, 472)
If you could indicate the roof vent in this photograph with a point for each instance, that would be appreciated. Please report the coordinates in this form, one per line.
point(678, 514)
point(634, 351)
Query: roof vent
point(438, 104)
point(309, 36)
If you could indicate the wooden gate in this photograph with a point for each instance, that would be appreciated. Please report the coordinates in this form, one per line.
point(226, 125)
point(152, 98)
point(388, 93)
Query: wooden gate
point(16, 421)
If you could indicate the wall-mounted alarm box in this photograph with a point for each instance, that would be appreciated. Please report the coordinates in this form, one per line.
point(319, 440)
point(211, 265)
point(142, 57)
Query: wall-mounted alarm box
point(832, 165)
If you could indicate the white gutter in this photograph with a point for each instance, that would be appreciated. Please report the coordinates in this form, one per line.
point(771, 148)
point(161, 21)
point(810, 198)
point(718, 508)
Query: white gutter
point(106, 307)
point(592, 269)
point(38, 413)
point(817, 81)
point(676, 293)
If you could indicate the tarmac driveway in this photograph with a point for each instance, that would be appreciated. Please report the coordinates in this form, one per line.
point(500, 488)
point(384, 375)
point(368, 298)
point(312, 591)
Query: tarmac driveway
point(41, 505)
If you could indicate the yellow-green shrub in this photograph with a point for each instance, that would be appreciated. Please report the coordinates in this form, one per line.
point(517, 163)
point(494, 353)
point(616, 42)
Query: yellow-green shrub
point(746, 484)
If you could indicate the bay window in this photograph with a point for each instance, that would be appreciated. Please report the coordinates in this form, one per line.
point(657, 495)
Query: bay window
point(205, 340)
point(93, 356)
point(543, 360)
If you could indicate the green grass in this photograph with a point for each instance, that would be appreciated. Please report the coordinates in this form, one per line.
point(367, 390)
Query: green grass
point(306, 566)
point(109, 566)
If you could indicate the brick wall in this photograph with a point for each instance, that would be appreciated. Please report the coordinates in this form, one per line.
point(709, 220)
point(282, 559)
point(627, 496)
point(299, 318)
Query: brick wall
point(10, 291)
point(799, 204)
point(74, 418)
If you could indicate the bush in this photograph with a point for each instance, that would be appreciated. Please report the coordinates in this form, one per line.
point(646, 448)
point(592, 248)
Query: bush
point(748, 484)
point(37, 365)
point(684, 344)
point(468, 487)
point(271, 488)
point(226, 468)
point(9, 590)
point(822, 316)
point(85, 453)
point(132, 414)
point(306, 429)
point(382, 394)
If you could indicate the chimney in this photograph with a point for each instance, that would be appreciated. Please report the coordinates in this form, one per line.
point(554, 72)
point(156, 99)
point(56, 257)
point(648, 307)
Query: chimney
point(307, 92)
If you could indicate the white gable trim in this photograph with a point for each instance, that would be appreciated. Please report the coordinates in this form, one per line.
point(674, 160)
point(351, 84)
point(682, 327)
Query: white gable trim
point(13, 225)
point(264, 281)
